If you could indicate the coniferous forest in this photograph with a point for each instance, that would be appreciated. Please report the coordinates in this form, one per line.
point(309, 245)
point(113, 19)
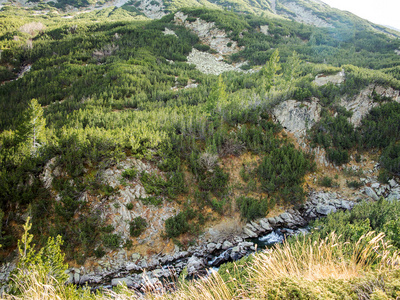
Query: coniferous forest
point(84, 95)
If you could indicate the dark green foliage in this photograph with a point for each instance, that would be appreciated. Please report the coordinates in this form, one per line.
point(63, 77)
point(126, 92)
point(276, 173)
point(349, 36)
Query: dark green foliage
point(111, 240)
point(384, 176)
point(129, 206)
point(137, 226)
point(156, 185)
point(151, 200)
point(202, 47)
point(390, 158)
point(129, 173)
point(251, 208)
point(282, 171)
point(379, 129)
point(179, 224)
point(337, 135)
point(99, 252)
point(381, 126)
point(107, 229)
point(380, 216)
point(326, 181)
point(354, 184)
point(214, 182)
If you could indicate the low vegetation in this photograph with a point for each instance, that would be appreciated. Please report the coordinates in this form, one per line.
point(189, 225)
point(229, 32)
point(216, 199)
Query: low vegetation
point(97, 93)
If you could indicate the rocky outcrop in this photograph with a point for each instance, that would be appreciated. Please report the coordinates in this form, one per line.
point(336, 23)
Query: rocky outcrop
point(153, 9)
point(209, 34)
point(264, 29)
point(168, 31)
point(209, 64)
point(375, 190)
point(306, 16)
point(322, 79)
point(127, 204)
point(297, 117)
point(362, 103)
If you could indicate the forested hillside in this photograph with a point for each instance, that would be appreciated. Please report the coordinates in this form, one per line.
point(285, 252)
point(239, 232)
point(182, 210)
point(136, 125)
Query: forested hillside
point(112, 140)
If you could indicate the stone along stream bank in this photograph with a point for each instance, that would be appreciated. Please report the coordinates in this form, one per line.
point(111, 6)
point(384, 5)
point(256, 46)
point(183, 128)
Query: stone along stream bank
point(140, 273)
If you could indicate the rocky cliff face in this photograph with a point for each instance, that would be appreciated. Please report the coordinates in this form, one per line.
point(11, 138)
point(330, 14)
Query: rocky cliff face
point(153, 9)
point(362, 103)
point(297, 117)
point(209, 34)
point(304, 15)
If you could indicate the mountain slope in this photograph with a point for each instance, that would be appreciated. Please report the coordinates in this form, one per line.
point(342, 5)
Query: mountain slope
point(131, 150)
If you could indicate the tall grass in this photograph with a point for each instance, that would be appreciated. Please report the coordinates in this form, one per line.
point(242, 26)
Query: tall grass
point(303, 269)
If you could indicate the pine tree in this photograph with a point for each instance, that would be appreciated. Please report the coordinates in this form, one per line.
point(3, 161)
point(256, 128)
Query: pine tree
point(31, 130)
point(269, 72)
point(292, 70)
point(218, 96)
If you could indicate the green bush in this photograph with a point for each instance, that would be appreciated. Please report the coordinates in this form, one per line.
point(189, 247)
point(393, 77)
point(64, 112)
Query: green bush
point(326, 181)
point(112, 240)
point(202, 47)
point(354, 184)
point(175, 226)
point(137, 226)
point(215, 182)
point(107, 229)
point(251, 208)
point(99, 252)
point(390, 158)
point(129, 173)
point(380, 216)
point(282, 172)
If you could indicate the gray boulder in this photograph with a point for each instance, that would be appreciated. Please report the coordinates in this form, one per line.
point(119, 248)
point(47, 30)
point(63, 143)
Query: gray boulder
point(345, 205)
point(226, 245)
point(194, 265)
point(211, 247)
point(371, 193)
point(265, 224)
point(394, 196)
point(249, 233)
point(325, 209)
point(286, 217)
point(392, 183)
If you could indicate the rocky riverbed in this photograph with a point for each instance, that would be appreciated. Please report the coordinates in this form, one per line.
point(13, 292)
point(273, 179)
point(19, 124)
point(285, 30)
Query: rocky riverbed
point(138, 272)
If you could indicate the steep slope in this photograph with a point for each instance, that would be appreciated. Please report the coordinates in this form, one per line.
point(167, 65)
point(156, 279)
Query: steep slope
point(131, 152)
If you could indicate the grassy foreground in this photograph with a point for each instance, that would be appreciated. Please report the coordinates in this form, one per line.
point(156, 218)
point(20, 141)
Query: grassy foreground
point(303, 269)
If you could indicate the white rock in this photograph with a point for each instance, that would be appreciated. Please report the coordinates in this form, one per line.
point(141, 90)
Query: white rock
point(226, 245)
point(392, 183)
point(265, 224)
point(322, 79)
point(375, 185)
point(371, 193)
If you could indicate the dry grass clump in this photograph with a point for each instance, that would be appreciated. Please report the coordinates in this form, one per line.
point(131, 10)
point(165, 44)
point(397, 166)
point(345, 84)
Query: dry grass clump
point(305, 269)
point(328, 258)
